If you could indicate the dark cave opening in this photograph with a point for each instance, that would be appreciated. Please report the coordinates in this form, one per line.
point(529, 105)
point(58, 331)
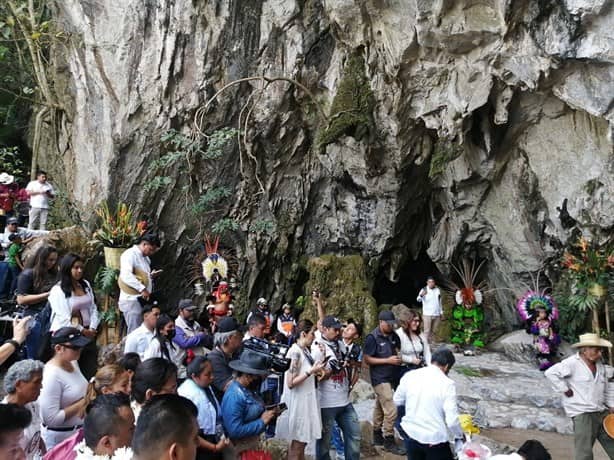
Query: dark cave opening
point(411, 278)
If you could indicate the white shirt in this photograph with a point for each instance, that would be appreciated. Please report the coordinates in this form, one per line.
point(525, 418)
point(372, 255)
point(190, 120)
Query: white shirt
point(415, 348)
point(431, 302)
point(334, 391)
point(207, 413)
point(60, 390)
point(588, 389)
point(133, 258)
point(138, 341)
point(429, 397)
point(177, 355)
point(40, 200)
point(61, 309)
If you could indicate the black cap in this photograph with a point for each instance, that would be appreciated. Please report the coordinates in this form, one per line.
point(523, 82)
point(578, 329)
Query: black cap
point(70, 335)
point(186, 304)
point(331, 322)
point(227, 324)
point(12, 220)
point(387, 316)
point(14, 236)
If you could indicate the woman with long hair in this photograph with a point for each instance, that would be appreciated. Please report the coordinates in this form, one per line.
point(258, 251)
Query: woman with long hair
point(415, 353)
point(109, 379)
point(155, 376)
point(73, 305)
point(162, 346)
point(33, 287)
point(302, 420)
point(62, 399)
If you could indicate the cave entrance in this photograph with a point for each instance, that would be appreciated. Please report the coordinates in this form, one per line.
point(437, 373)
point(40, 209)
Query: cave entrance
point(412, 277)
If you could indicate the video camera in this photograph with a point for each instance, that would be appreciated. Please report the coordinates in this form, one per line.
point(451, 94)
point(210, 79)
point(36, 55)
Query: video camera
point(276, 352)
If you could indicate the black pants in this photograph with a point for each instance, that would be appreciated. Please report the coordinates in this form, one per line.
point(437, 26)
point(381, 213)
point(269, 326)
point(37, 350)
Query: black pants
point(419, 451)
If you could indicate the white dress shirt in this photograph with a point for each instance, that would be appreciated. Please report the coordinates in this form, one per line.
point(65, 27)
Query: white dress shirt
point(138, 341)
point(40, 200)
point(429, 397)
point(588, 390)
point(133, 258)
point(431, 302)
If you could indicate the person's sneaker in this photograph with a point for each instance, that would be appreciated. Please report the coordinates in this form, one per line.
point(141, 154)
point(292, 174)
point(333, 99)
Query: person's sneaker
point(391, 446)
point(378, 438)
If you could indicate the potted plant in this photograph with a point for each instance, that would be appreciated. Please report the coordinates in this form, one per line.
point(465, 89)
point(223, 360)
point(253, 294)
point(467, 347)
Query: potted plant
point(117, 231)
point(589, 268)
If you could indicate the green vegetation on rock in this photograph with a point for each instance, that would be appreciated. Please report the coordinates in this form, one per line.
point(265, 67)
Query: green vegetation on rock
point(342, 281)
point(444, 152)
point(352, 107)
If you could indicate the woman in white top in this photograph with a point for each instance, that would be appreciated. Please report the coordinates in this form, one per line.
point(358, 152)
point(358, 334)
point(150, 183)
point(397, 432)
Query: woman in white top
point(301, 423)
point(415, 353)
point(72, 301)
point(162, 346)
point(62, 403)
point(23, 383)
point(415, 349)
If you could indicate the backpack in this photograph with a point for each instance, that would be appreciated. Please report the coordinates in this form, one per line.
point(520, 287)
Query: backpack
point(44, 318)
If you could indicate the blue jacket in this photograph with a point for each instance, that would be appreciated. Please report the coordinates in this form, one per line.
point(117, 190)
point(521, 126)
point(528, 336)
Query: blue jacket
point(241, 412)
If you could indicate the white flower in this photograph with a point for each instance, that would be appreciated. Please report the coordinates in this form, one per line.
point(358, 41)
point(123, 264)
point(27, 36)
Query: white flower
point(85, 453)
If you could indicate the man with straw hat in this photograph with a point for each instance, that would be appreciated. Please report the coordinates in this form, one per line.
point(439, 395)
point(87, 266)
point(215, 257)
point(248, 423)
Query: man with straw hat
point(582, 380)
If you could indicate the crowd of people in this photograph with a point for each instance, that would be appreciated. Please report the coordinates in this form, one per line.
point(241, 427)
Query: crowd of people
point(183, 389)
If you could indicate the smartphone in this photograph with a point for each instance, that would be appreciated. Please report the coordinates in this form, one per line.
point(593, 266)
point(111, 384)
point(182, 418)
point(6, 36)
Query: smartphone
point(282, 407)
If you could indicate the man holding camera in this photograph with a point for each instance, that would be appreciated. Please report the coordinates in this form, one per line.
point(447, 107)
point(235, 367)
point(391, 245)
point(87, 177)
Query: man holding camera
point(334, 392)
point(381, 354)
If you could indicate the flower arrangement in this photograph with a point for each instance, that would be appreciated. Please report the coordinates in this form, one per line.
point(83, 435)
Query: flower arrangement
point(118, 229)
point(588, 264)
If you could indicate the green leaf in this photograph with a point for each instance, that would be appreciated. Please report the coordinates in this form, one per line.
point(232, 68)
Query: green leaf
point(224, 226)
point(106, 280)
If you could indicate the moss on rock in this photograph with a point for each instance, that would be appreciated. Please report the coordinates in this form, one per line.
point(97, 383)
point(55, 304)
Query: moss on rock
point(444, 152)
point(342, 281)
point(352, 107)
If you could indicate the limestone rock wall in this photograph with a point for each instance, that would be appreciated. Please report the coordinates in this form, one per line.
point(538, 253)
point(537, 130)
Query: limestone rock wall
point(478, 119)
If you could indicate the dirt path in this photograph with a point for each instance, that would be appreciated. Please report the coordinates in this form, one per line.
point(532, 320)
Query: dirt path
point(560, 446)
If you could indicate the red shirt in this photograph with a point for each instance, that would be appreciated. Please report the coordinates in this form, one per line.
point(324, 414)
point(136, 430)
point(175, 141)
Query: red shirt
point(7, 196)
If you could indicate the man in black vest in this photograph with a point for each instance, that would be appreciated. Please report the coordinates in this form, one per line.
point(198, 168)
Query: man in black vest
point(381, 354)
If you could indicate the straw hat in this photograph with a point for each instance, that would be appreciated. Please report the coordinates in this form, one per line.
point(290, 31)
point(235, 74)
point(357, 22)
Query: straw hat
point(6, 179)
point(592, 340)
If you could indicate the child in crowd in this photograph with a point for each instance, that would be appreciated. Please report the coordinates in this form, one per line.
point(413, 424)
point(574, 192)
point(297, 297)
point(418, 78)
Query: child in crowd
point(14, 261)
point(286, 324)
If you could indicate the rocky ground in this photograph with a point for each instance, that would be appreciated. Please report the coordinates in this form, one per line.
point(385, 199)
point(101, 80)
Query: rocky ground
point(511, 401)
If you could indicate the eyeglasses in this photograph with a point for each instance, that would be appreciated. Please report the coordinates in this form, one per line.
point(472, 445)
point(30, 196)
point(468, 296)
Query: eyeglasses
point(71, 347)
point(415, 320)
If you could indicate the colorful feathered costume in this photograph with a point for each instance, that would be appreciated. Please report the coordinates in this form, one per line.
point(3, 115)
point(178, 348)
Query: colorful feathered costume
point(539, 312)
point(215, 269)
point(468, 313)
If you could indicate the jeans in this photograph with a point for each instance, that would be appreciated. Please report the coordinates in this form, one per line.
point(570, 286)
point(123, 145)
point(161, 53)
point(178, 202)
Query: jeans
point(14, 272)
point(419, 451)
point(337, 440)
point(33, 340)
point(347, 419)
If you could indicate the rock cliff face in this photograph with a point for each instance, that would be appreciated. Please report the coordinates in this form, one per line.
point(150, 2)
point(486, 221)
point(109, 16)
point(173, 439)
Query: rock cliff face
point(479, 128)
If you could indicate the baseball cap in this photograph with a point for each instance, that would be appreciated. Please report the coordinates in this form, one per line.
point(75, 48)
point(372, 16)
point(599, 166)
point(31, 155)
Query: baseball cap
point(186, 304)
point(227, 324)
point(70, 335)
point(331, 322)
point(12, 220)
point(387, 316)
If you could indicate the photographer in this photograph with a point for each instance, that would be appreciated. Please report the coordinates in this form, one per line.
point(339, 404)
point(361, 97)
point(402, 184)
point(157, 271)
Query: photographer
point(380, 352)
point(333, 392)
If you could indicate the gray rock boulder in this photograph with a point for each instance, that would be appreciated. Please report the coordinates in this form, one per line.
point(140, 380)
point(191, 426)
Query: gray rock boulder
point(516, 345)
